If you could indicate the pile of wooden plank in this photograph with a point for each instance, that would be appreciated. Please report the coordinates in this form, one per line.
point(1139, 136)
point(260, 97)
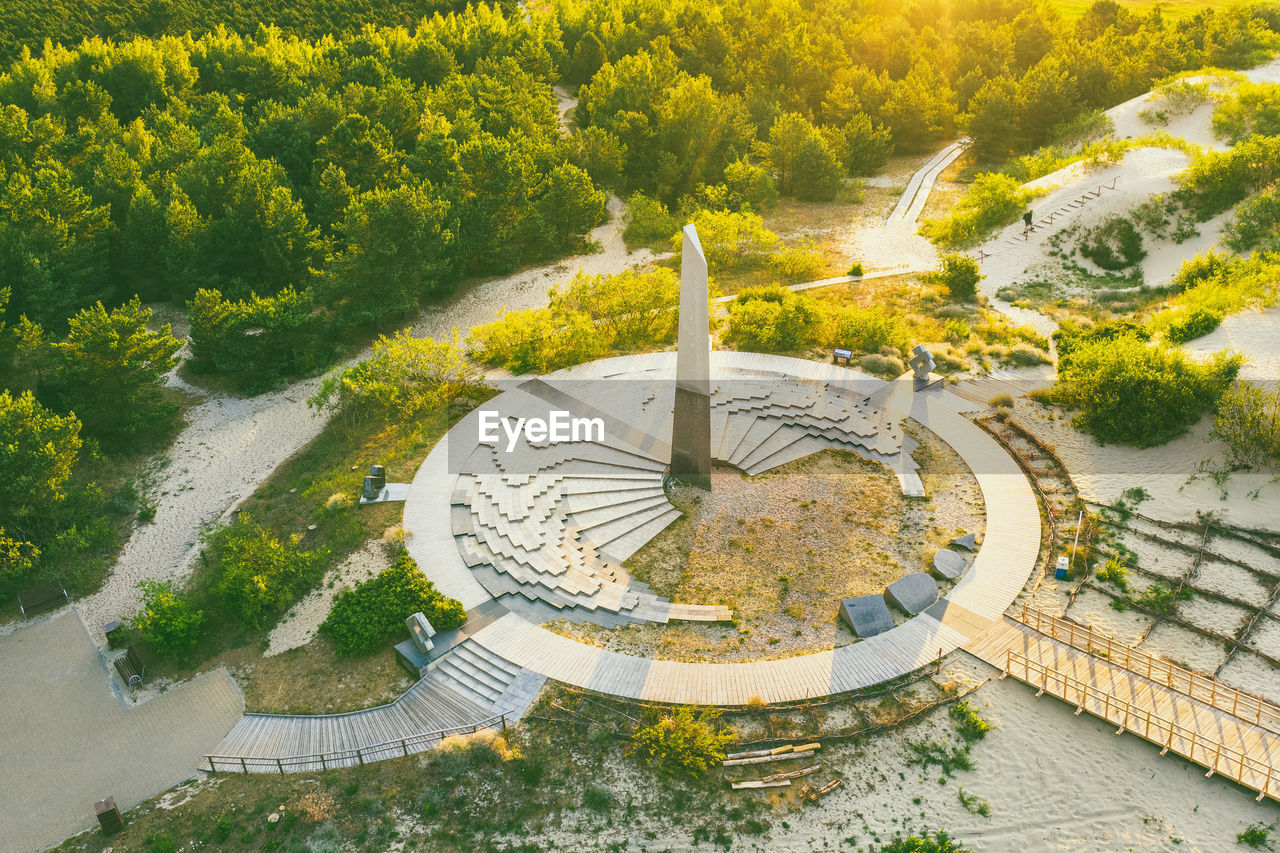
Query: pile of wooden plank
point(763, 756)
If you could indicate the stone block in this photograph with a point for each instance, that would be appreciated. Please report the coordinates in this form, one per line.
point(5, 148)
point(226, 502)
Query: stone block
point(866, 615)
point(912, 593)
point(948, 564)
point(968, 542)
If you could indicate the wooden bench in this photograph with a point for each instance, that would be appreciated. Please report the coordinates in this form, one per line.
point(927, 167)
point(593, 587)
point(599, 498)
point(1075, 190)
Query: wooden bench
point(130, 667)
point(847, 355)
point(44, 597)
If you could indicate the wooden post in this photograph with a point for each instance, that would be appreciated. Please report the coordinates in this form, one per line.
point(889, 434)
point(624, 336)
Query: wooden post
point(404, 747)
point(504, 719)
point(243, 766)
point(280, 766)
point(359, 756)
point(323, 766)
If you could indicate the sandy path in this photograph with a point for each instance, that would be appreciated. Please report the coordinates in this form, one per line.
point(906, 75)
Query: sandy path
point(231, 445)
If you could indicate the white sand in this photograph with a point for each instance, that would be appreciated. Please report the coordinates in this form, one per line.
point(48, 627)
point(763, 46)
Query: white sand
point(1103, 473)
point(298, 627)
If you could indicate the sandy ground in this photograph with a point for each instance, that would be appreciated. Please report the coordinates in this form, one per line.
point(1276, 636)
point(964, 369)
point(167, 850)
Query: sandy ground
point(298, 627)
point(1053, 781)
point(1169, 473)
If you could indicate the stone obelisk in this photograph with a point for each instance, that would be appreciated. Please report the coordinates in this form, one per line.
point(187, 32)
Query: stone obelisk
point(691, 426)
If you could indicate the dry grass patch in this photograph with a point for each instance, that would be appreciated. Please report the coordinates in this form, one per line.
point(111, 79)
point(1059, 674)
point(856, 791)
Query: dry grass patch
point(312, 679)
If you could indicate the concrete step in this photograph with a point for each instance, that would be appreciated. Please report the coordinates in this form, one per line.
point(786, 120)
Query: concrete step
point(622, 547)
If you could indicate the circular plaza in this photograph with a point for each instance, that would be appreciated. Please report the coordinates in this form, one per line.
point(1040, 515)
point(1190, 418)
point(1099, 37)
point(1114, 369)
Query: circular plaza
point(529, 509)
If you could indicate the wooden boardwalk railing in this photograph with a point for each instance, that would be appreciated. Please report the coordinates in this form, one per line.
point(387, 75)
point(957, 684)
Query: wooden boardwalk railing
point(1195, 684)
point(1192, 744)
point(346, 757)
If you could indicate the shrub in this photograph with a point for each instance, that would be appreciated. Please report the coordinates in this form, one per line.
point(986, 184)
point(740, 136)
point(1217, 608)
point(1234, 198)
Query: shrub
point(1001, 401)
point(969, 722)
point(168, 622)
point(1219, 179)
point(855, 269)
point(1114, 244)
point(17, 559)
point(1249, 422)
point(1115, 573)
point(1125, 391)
point(257, 574)
point(681, 743)
point(1256, 224)
point(991, 201)
point(887, 367)
point(731, 241)
point(937, 843)
point(403, 378)
point(1250, 108)
point(584, 320)
point(1255, 835)
point(798, 262)
point(1026, 355)
point(1192, 325)
point(1162, 598)
point(956, 330)
point(371, 614)
point(960, 275)
point(772, 319)
point(868, 330)
point(648, 222)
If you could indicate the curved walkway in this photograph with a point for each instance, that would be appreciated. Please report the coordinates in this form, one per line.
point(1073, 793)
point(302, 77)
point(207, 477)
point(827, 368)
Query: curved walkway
point(999, 572)
point(916, 195)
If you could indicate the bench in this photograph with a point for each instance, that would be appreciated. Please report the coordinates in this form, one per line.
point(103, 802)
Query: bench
point(847, 355)
point(130, 667)
point(43, 597)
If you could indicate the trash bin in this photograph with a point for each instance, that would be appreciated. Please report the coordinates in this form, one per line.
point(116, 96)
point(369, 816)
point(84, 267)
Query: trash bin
point(379, 476)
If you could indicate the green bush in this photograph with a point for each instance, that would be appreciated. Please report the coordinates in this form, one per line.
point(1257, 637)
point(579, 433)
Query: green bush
point(681, 743)
point(169, 623)
point(731, 241)
point(648, 222)
point(1125, 391)
point(939, 842)
point(884, 366)
point(969, 722)
point(1256, 224)
point(1249, 108)
point(1113, 244)
point(1115, 573)
point(1249, 422)
point(773, 319)
point(960, 275)
point(1219, 179)
point(992, 200)
point(593, 314)
point(1192, 325)
point(257, 574)
point(373, 613)
point(868, 330)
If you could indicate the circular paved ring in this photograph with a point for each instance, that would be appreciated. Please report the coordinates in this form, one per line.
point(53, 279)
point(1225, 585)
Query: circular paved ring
point(1001, 570)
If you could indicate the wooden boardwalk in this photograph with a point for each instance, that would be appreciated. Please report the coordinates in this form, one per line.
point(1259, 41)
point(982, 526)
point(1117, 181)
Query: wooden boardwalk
point(1141, 694)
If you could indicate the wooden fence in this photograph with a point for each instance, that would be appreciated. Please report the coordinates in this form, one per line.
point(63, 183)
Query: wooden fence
point(1173, 737)
point(346, 757)
point(1197, 685)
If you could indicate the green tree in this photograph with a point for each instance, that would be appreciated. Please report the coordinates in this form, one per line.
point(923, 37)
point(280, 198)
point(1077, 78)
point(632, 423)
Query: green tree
point(108, 370)
point(992, 120)
point(400, 247)
point(168, 621)
point(863, 147)
point(801, 159)
point(374, 612)
point(568, 208)
point(37, 456)
point(17, 559)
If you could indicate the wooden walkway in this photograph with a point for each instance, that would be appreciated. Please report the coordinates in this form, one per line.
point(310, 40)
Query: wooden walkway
point(1181, 712)
point(416, 722)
